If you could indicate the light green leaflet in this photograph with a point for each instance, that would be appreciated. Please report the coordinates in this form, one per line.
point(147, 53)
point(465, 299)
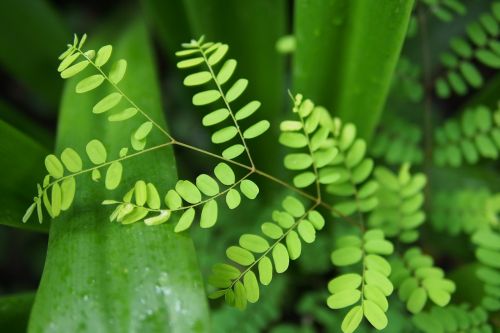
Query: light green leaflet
point(280, 258)
point(236, 90)
point(123, 115)
point(224, 134)
point(75, 69)
point(225, 174)
point(89, 83)
point(188, 191)
point(153, 197)
point(107, 103)
point(240, 255)
point(103, 55)
point(185, 220)
point(140, 192)
point(233, 199)
point(218, 54)
point(249, 189)
point(207, 185)
point(67, 62)
point(197, 79)
point(68, 188)
point(96, 151)
point(256, 129)
point(247, 110)
point(118, 70)
point(209, 214)
point(173, 200)
point(113, 175)
point(142, 132)
point(233, 151)
point(56, 200)
point(226, 71)
point(54, 166)
point(215, 117)
point(71, 160)
point(206, 97)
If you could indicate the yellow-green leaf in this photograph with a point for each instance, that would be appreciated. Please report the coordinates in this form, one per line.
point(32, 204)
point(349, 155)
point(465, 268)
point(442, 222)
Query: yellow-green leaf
point(113, 175)
point(103, 55)
point(96, 151)
point(89, 83)
point(118, 71)
point(71, 160)
point(107, 103)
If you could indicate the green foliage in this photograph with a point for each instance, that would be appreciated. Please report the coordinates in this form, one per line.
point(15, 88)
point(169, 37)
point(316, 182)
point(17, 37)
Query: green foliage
point(368, 290)
point(418, 280)
point(397, 142)
point(488, 254)
point(475, 135)
point(481, 45)
point(400, 211)
point(445, 10)
point(464, 211)
point(453, 318)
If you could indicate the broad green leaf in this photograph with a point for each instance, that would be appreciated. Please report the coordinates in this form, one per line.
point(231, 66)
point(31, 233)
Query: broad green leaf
point(188, 191)
point(226, 71)
point(251, 287)
point(265, 268)
point(173, 200)
point(299, 161)
point(374, 314)
point(106, 249)
point(225, 174)
point(233, 151)
point(344, 282)
point(153, 198)
point(96, 151)
point(293, 245)
point(352, 319)
point(209, 214)
point(143, 131)
point(240, 256)
point(247, 110)
point(207, 185)
point(185, 220)
point(343, 299)
point(256, 129)
point(197, 79)
point(113, 175)
point(123, 115)
point(107, 103)
point(215, 117)
point(233, 199)
point(280, 258)
point(68, 188)
point(75, 69)
point(54, 166)
point(206, 97)
point(249, 189)
point(236, 90)
point(103, 55)
point(71, 160)
point(89, 83)
point(118, 70)
point(346, 256)
point(380, 31)
point(225, 134)
point(254, 243)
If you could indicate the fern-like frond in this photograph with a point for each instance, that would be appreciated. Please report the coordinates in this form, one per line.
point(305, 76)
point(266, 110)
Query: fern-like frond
point(445, 10)
point(398, 142)
point(482, 45)
point(488, 254)
point(366, 292)
point(210, 55)
point(311, 136)
point(417, 280)
point(280, 243)
point(348, 176)
point(401, 198)
point(453, 318)
point(185, 198)
point(464, 211)
point(474, 135)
